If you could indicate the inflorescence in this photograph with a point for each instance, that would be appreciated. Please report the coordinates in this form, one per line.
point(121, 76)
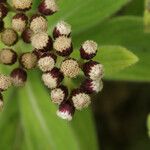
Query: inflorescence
point(52, 55)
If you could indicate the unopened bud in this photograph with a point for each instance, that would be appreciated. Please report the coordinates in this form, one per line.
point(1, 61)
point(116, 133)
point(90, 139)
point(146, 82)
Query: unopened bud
point(59, 94)
point(47, 62)
point(9, 37)
point(38, 23)
point(62, 29)
point(41, 41)
point(80, 99)
point(5, 82)
point(48, 7)
point(19, 77)
point(93, 70)
point(22, 5)
point(63, 46)
point(19, 22)
point(66, 110)
point(28, 60)
point(3, 10)
point(88, 49)
point(8, 56)
point(70, 68)
point(53, 78)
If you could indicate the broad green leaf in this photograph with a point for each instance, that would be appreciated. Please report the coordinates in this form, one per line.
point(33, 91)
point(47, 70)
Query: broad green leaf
point(43, 129)
point(84, 14)
point(114, 58)
point(147, 16)
point(83, 127)
point(134, 7)
point(128, 32)
point(10, 125)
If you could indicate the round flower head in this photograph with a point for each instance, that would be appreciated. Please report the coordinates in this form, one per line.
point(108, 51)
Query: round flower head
point(59, 94)
point(38, 23)
point(92, 86)
point(48, 7)
point(80, 99)
point(19, 22)
point(47, 62)
point(22, 5)
point(9, 37)
point(8, 56)
point(26, 35)
point(41, 41)
point(5, 82)
point(66, 110)
point(93, 70)
point(62, 29)
point(1, 102)
point(28, 60)
point(1, 25)
point(70, 68)
point(19, 77)
point(88, 49)
point(3, 10)
point(63, 46)
point(53, 78)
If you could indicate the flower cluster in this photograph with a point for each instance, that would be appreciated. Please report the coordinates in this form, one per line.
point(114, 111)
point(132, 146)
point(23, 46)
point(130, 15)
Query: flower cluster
point(52, 55)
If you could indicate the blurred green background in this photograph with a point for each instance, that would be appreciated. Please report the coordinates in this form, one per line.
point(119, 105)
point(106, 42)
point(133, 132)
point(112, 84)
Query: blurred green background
point(118, 117)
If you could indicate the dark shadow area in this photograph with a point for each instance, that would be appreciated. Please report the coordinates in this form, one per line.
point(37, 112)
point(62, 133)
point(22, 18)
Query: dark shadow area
point(121, 112)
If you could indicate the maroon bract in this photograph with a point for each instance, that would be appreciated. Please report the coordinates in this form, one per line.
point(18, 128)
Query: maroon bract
point(92, 86)
point(3, 10)
point(26, 35)
point(66, 110)
point(19, 76)
point(48, 7)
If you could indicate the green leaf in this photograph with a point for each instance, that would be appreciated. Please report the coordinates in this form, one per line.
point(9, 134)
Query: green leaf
point(134, 7)
point(114, 58)
point(10, 125)
point(147, 16)
point(127, 32)
point(43, 129)
point(84, 14)
point(84, 128)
